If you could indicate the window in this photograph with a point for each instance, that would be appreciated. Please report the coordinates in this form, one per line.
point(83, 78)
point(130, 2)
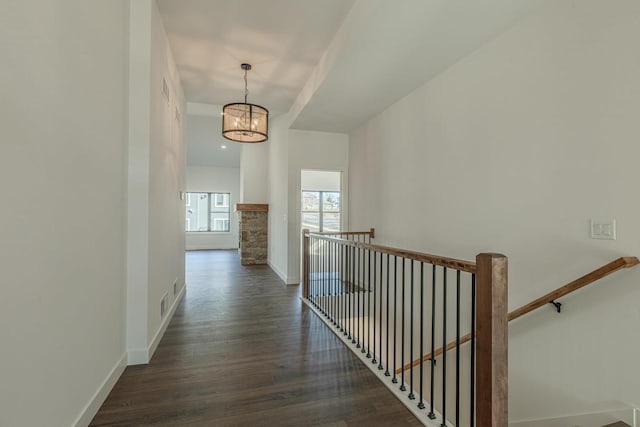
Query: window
point(221, 200)
point(207, 212)
point(321, 210)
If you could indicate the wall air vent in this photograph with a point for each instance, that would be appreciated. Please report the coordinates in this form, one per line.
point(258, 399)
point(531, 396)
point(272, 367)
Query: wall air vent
point(165, 89)
point(163, 306)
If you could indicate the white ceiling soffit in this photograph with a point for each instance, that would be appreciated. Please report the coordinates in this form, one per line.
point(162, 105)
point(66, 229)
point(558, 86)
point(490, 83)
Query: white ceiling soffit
point(282, 39)
point(387, 48)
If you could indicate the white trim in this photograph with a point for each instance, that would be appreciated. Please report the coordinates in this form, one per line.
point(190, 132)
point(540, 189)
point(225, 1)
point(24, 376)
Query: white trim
point(420, 414)
point(209, 247)
point(280, 274)
point(137, 356)
point(91, 408)
point(294, 281)
point(163, 326)
point(620, 408)
point(142, 356)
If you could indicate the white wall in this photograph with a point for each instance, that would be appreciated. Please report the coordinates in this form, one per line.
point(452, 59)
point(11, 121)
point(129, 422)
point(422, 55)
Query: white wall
point(311, 150)
point(62, 161)
point(156, 165)
point(202, 179)
point(254, 165)
point(166, 181)
point(278, 194)
point(514, 149)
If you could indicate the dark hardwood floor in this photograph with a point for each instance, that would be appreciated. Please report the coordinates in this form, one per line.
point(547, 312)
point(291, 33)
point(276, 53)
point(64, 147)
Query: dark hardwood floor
point(243, 350)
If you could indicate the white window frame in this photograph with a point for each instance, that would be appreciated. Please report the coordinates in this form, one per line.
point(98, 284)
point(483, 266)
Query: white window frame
point(211, 196)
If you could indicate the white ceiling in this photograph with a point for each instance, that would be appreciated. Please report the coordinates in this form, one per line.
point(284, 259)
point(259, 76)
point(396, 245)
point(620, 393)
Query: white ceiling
point(282, 39)
point(331, 63)
point(205, 141)
point(400, 45)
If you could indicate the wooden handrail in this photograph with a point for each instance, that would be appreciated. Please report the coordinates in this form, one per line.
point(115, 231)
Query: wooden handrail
point(605, 270)
point(371, 233)
point(453, 263)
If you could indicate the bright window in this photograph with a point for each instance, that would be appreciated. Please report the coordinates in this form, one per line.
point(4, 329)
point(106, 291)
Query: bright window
point(207, 212)
point(321, 210)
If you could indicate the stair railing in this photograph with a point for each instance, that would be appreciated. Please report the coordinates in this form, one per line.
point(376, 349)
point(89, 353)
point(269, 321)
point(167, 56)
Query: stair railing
point(550, 298)
point(384, 301)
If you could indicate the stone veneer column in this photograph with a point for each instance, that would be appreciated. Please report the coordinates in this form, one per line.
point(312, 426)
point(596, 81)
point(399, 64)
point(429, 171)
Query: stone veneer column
point(254, 224)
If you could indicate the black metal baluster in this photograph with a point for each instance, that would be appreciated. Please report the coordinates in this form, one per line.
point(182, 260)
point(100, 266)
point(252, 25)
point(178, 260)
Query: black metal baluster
point(324, 277)
point(386, 372)
point(380, 367)
point(325, 282)
point(349, 317)
point(315, 272)
point(432, 414)
point(375, 257)
point(319, 278)
point(395, 318)
point(323, 298)
point(369, 305)
point(402, 387)
point(421, 404)
point(332, 299)
point(339, 285)
point(348, 294)
point(472, 405)
point(345, 283)
point(356, 336)
point(444, 347)
point(458, 347)
point(411, 395)
point(364, 293)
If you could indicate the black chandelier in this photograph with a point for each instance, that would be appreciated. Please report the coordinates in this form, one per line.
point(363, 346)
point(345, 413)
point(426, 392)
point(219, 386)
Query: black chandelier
point(243, 122)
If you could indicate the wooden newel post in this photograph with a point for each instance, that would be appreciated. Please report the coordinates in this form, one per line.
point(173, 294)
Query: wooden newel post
point(491, 345)
point(305, 263)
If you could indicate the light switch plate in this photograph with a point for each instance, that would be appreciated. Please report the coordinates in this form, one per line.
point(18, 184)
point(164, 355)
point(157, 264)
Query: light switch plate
point(603, 229)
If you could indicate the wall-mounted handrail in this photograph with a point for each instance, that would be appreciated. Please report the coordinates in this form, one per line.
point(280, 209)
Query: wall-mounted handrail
point(587, 279)
point(551, 297)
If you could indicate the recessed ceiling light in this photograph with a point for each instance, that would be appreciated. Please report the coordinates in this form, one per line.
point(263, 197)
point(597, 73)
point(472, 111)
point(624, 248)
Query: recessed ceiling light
point(224, 147)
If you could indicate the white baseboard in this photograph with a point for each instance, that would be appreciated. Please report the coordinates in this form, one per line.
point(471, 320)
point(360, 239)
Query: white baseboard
point(142, 356)
point(275, 269)
point(163, 326)
point(282, 276)
point(137, 356)
point(293, 281)
point(98, 398)
point(210, 248)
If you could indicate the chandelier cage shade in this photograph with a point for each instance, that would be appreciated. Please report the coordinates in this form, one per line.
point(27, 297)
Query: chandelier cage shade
point(244, 122)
